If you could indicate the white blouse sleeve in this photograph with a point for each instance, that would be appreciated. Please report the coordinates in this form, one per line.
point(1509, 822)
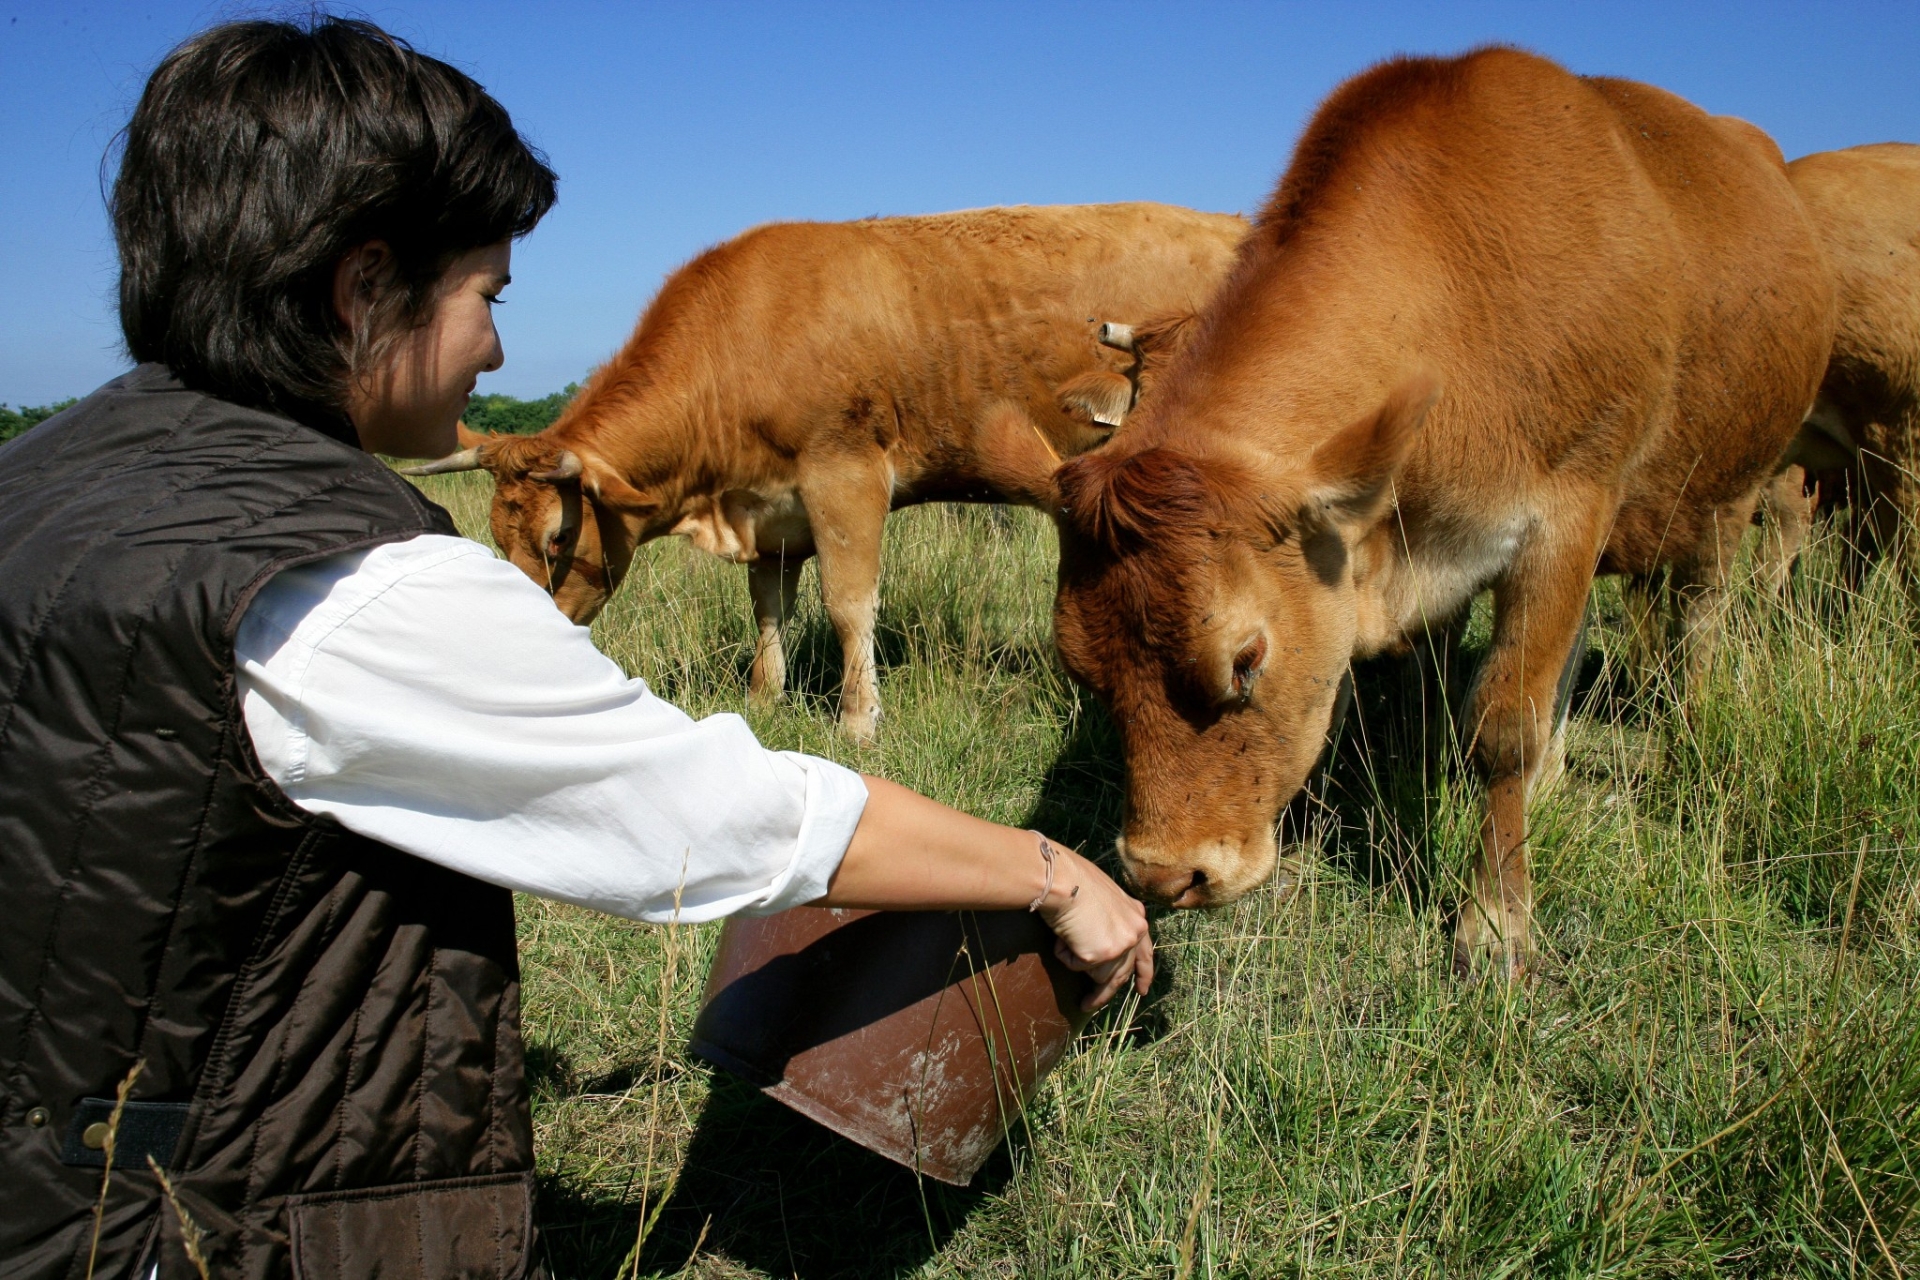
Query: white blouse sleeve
point(431, 697)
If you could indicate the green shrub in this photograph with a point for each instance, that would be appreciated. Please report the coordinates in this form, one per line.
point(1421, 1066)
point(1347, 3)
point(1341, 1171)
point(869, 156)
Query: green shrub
point(15, 422)
point(517, 417)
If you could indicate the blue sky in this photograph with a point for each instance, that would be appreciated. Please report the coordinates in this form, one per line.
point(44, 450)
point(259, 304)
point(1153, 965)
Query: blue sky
point(674, 126)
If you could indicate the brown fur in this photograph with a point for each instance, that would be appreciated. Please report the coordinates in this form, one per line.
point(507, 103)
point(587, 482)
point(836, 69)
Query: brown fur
point(1865, 205)
point(1622, 312)
point(788, 388)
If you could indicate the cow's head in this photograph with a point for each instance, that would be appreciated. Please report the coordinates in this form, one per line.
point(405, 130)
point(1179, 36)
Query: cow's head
point(568, 521)
point(1213, 609)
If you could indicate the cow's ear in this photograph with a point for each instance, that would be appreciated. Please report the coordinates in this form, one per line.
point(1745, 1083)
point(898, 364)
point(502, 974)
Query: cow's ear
point(1098, 394)
point(469, 438)
point(1160, 338)
point(1353, 471)
point(608, 488)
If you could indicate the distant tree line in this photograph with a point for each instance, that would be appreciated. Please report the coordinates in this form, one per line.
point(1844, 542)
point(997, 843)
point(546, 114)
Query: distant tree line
point(521, 417)
point(484, 413)
point(15, 421)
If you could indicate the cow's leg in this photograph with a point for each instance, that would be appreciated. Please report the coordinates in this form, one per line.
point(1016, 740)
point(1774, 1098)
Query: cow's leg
point(1786, 515)
point(772, 579)
point(1891, 492)
point(1644, 596)
point(847, 505)
point(1539, 606)
point(1553, 761)
point(1700, 593)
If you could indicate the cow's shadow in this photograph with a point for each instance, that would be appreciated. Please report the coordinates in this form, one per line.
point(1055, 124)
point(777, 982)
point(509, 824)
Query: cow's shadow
point(1370, 808)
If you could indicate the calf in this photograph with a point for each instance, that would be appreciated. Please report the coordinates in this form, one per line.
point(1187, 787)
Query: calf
point(1498, 326)
point(787, 389)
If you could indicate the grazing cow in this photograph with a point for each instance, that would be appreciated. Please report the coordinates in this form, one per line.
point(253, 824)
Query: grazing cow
point(1865, 205)
point(1498, 326)
point(788, 388)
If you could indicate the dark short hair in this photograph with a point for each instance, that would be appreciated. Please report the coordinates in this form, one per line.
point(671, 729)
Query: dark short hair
point(259, 154)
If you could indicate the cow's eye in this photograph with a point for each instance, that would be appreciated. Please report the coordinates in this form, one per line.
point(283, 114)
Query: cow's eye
point(1247, 666)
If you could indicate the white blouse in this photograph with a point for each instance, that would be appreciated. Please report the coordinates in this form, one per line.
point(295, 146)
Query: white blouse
point(430, 696)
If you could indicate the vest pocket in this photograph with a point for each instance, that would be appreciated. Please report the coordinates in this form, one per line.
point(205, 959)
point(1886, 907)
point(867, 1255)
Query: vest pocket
point(471, 1228)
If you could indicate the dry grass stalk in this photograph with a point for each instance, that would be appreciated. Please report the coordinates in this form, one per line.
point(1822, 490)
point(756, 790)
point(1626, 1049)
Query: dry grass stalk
point(106, 1173)
point(190, 1233)
point(648, 1219)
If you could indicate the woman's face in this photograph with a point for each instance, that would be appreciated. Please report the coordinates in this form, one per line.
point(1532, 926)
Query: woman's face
point(407, 402)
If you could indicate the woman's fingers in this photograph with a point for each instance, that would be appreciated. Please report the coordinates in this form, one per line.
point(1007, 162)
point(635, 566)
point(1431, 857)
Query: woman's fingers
point(1102, 931)
point(1143, 964)
point(1133, 961)
point(1136, 965)
point(1107, 977)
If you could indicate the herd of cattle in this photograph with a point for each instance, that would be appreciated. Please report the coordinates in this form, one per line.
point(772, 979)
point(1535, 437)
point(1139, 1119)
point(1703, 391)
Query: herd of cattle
point(1498, 327)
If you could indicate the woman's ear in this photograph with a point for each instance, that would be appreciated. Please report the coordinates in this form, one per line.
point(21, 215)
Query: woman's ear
point(360, 274)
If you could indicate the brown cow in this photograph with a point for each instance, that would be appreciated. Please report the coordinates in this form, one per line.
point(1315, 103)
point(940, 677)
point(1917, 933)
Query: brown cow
point(1865, 204)
point(788, 388)
point(1499, 326)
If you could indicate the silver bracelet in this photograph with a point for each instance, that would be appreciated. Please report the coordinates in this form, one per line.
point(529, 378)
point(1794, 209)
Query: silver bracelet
point(1046, 852)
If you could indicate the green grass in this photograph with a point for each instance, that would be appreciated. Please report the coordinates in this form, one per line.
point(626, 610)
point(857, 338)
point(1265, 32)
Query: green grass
point(1717, 1071)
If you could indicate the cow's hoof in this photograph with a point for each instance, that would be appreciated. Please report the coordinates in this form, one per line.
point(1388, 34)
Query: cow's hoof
point(1508, 964)
point(860, 728)
point(761, 699)
point(1481, 951)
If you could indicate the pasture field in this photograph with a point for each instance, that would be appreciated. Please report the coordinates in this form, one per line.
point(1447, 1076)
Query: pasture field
point(1716, 1071)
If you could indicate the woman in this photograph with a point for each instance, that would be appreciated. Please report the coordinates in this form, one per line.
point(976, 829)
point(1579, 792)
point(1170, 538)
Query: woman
point(265, 782)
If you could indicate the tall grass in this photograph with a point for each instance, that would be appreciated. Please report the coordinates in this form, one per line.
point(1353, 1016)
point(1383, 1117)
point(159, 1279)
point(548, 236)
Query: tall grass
point(1717, 1071)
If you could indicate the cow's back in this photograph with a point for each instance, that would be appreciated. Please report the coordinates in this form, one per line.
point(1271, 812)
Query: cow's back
point(1094, 258)
point(1865, 205)
point(914, 330)
point(1755, 320)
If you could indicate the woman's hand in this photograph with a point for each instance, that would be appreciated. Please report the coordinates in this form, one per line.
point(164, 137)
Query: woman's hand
point(1102, 929)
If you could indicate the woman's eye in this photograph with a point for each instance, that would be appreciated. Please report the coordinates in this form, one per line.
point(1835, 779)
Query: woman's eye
point(494, 300)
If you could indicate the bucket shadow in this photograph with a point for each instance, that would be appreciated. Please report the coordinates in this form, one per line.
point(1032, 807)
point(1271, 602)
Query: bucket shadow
point(775, 1192)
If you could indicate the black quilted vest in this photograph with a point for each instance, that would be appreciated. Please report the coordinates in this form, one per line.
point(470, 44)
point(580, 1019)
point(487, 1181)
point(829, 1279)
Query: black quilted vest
point(329, 1029)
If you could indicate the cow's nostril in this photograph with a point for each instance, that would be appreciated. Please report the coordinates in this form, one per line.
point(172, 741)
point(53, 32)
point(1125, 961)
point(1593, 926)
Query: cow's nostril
point(1193, 893)
point(1177, 886)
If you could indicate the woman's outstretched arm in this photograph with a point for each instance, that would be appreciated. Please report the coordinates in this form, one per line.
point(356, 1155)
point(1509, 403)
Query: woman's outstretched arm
point(913, 853)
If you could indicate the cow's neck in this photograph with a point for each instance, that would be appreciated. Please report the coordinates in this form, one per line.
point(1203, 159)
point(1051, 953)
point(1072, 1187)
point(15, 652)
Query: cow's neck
point(1412, 572)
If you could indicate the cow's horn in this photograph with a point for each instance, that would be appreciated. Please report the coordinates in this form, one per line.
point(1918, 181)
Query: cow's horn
point(1117, 336)
point(465, 460)
point(568, 468)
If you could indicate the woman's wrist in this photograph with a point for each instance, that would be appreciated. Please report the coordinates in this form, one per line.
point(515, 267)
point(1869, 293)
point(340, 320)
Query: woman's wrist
point(1060, 877)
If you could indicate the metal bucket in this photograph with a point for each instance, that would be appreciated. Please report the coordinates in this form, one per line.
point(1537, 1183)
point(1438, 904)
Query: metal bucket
point(919, 1035)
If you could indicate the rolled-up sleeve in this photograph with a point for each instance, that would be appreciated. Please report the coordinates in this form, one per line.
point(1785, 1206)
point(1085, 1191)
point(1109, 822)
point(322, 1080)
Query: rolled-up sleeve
point(429, 696)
